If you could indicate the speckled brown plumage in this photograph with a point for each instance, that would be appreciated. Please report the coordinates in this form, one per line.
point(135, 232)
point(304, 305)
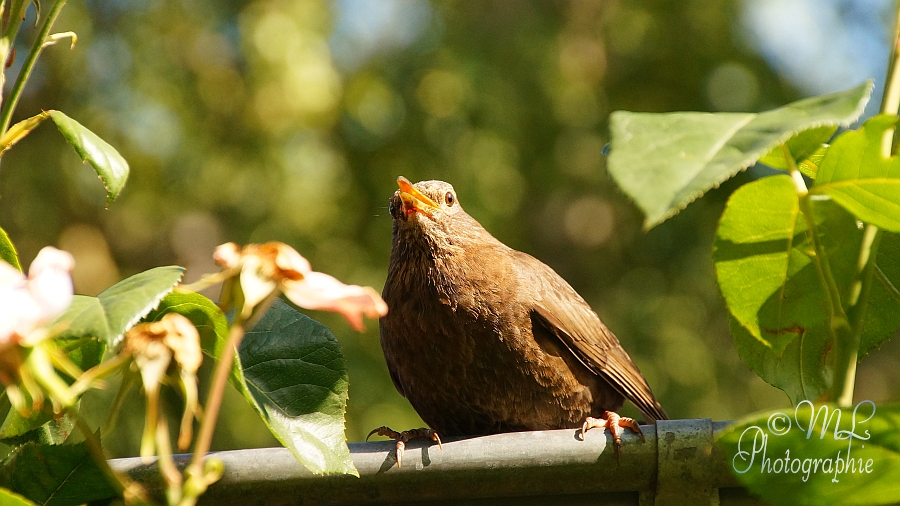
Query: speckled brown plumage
point(483, 339)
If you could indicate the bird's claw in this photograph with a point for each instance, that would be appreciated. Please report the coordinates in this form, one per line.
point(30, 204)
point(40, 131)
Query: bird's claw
point(615, 422)
point(403, 437)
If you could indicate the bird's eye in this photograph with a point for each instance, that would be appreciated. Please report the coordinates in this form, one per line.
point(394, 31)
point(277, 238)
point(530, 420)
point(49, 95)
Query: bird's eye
point(449, 199)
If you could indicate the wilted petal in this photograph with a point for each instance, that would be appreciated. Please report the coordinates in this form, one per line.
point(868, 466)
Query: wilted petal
point(50, 282)
point(321, 291)
point(290, 264)
point(255, 283)
point(227, 255)
point(182, 338)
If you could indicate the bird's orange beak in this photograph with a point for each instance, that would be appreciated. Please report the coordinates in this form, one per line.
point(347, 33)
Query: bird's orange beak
point(413, 200)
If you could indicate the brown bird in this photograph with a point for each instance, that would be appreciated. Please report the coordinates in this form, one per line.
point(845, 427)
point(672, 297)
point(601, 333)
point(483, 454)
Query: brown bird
point(483, 339)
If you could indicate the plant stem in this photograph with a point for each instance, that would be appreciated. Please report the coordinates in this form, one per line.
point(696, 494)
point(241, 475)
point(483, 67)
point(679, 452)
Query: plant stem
point(838, 316)
point(122, 484)
point(847, 351)
point(857, 303)
point(13, 21)
point(838, 323)
point(890, 101)
point(36, 47)
point(214, 400)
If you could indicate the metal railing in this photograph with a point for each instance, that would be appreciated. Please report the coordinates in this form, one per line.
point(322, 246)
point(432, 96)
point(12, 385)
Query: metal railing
point(678, 464)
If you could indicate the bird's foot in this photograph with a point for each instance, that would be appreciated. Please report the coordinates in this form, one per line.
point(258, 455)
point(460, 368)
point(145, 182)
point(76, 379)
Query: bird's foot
point(403, 437)
point(615, 423)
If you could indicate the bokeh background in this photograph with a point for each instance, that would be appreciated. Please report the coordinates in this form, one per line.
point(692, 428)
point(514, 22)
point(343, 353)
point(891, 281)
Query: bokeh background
point(290, 120)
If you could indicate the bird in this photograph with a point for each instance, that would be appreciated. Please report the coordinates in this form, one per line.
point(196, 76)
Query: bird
point(483, 339)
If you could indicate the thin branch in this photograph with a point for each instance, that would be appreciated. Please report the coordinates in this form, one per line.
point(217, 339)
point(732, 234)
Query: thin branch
point(36, 47)
point(838, 323)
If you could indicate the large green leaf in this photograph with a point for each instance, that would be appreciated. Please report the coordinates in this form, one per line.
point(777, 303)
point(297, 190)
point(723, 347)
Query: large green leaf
point(119, 307)
point(665, 161)
point(54, 474)
point(8, 250)
point(106, 161)
point(778, 457)
point(766, 271)
point(855, 174)
point(294, 375)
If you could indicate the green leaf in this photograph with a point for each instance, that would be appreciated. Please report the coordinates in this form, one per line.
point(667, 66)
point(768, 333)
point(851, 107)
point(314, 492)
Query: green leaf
point(10, 498)
point(54, 474)
point(8, 251)
point(106, 161)
point(855, 175)
point(765, 269)
point(202, 312)
point(119, 307)
point(791, 457)
point(801, 146)
point(295, 376)
point(760, 245)
point(665, 161)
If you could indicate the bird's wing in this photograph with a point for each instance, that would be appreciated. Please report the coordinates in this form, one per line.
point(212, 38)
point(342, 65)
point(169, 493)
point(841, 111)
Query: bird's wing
point(565, 314)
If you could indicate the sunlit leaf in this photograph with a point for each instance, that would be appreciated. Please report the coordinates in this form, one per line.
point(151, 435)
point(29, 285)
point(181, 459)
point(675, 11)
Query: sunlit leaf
point(765, 269)
point(855, 174)
point(54, 474)
point(109, 164)
point(665, 161)
point(119, 307)
point(8, 250)
point(295, 376)
point(795, 465)
point(761, 244)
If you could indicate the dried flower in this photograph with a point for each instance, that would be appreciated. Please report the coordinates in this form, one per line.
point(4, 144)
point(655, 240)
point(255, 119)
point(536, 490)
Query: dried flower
point(266, 269)
point(154, 345)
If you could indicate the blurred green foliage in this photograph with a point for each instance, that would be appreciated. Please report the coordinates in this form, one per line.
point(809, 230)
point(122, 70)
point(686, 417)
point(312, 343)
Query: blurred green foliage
point(276, 120)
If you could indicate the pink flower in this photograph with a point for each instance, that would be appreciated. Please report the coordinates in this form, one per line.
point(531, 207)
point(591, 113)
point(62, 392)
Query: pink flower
point(264, 268)
point(29, 303)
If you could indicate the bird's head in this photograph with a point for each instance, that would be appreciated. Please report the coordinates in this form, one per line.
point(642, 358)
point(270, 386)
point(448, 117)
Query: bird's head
point(427, 204)
point(428, 215)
